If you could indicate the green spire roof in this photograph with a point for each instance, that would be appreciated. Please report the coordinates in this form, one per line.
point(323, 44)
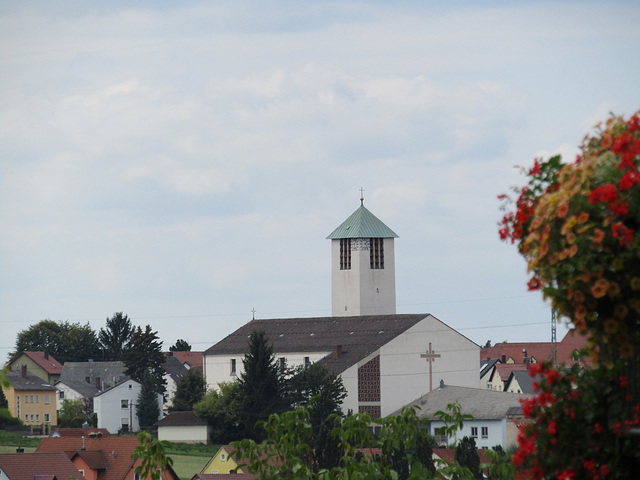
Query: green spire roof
point(362, 224)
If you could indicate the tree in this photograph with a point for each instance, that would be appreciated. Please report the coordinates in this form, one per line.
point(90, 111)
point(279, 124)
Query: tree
point(222, 409)
point(72, 414)
point(153, 457)
point(115, 337)
point(180, 346)
point(261, 384)
point(144, 354)
point(190, 390)
point(467, 456)
point(65, 341)
point(148, 408)
point(318, 388)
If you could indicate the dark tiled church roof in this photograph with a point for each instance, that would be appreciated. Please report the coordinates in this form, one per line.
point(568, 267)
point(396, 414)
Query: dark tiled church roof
point(346, 340)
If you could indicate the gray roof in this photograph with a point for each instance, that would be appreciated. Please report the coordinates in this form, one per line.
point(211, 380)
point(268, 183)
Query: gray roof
point(358, 336)
point(106, 374)
point(524, 380)
point(174, 367)
point(28, 382)
point(181, 419)
point(362, 224)
point(83, 388)
point(483, 404)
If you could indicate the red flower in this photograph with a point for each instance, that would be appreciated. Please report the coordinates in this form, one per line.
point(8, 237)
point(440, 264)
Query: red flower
point(607, 193)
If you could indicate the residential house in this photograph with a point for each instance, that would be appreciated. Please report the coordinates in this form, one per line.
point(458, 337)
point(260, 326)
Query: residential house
point(174, 370)
point(494, 413)
point(385, 361)
point(520, 382)
point(40, 364)
point(184, 427)
point(188, 359)
point(84, 380)
point(500, 374)
point(44, 466)
point(448, 456)
point(116, 407)
point(223, 462)
point(101, 458)
point(31, 399)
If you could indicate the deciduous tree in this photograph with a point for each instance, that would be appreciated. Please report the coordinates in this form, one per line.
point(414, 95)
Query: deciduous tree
point(222, 408)
point(72, 414)
point(190, 390)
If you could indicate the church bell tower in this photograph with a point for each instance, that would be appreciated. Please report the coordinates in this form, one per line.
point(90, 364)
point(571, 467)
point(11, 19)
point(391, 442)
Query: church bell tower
point(363, 277)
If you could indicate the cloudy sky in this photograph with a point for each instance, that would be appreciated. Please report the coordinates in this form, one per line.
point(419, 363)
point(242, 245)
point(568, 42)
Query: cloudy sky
point(183, 162)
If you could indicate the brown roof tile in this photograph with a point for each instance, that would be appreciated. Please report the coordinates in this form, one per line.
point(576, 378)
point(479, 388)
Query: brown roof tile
point(182, 419)
point(27, 466)
point(46, 361)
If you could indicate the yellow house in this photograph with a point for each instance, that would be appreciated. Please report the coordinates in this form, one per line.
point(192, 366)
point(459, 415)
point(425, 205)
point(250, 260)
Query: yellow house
point(31, 399)
point(222, 462)
point(40, 364)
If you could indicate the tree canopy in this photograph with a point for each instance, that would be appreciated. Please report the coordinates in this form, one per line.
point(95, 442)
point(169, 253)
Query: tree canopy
point(190, 390)
point(180, 346)
point(65, 341)
point(147, 406)
point(115, 336)
point(144, 354)
point(223, 410)
point(72, 414)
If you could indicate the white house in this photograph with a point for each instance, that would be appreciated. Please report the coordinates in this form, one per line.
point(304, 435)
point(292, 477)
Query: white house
point(184, 427)
point(116, 407)
point(494, 413)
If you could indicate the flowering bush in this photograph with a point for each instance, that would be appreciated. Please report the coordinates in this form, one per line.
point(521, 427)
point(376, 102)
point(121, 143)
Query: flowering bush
point(578, 227)
point(580, 426)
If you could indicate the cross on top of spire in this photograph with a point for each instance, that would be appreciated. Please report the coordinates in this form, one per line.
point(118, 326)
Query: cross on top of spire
point(361, 196)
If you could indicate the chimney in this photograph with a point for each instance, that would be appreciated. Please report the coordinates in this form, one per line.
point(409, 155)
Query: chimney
point(504, 359)
point(46, 355)
point(337, 351)
point(19, 450)
point(82, 443)
point(24, 371)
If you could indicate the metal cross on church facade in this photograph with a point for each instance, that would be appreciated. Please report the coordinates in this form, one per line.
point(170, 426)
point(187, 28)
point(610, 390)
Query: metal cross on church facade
point(430, 356)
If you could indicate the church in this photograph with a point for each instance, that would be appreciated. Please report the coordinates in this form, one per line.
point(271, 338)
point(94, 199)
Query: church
point(386, 360)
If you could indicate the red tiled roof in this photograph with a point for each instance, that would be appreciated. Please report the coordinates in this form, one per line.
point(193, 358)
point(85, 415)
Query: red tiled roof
point(95, 460)
point(117, 452)
point(505, 369)
point(194, 359)
point(46, 361)
point(27, 466)
point(540, 351)
point(224, 476)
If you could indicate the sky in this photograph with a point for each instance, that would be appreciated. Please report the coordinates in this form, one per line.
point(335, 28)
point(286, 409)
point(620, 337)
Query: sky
point(183, 162)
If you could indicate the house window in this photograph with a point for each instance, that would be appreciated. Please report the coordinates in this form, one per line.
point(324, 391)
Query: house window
point(26, 417)
point(345, 254)
point(136, 476)
point(31, 398)
point(37, 417)
point(47, 418)
point(61, 395)
point(307, 361)
point(47, 399)
point(376, 254)
point(223, 457)
point(233, 366)
point(474, 432)
point(26, 399)
point(489, 386)
point(282, 364)
point(32, 417)
point(124, 403)
point(485, 432)
point(37, 398)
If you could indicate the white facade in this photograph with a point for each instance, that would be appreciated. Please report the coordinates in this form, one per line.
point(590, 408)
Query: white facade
point(361, 290)
point(227, 368)
point(184, 434)
point(405, 375)
point(116, 407)
point(486, 433)
point(65, 392)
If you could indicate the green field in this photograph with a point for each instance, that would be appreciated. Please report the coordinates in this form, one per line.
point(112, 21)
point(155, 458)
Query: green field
point(186, 466)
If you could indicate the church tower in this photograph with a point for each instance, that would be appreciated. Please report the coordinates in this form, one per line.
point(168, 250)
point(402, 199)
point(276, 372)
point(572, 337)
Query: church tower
point(363, 268)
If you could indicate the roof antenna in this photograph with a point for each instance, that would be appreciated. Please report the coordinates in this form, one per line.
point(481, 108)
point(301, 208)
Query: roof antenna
point(361, 196)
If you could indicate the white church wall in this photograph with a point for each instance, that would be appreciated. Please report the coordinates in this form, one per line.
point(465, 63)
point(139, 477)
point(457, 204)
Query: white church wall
point(404, 374)
point(350, 382)
point(378, 286)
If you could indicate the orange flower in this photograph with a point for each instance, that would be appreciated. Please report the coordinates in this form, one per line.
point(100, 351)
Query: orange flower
point(583, 217)
point(614, 289)
point(599, 289)
point(580, 324)
point(620, 311)
point(625, 350)
point(611, 326)
point(544, 248)
point(562, 210)
point(598, 236)
point(573, 250)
